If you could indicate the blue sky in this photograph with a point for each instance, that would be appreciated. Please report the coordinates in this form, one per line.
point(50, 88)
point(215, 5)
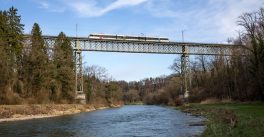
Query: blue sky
point(203, 21)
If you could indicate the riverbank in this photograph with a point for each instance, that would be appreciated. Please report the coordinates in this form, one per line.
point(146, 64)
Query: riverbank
point(25, 112)
point(226, 120)
point(135, 103)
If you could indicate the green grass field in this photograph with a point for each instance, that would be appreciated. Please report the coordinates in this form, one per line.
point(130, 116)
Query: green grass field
point(231, 120)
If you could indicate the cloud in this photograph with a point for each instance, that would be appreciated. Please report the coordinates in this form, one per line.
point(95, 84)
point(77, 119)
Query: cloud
point(49, 6)
point(90, 9)
point(204, 20)
point(211, 18)
point(227, 19)
point(86, 8)
point(44, 5)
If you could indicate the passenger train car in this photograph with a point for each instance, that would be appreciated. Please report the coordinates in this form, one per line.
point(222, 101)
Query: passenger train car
point(126, 38)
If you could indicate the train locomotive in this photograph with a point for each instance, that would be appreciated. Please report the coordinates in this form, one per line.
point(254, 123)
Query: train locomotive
point(127, 38)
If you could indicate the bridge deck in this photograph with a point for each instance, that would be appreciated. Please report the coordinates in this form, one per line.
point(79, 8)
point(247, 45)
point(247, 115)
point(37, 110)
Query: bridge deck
point(86, 44)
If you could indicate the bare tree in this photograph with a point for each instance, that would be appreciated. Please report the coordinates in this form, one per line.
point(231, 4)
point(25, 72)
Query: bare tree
point(253, 23)
point(97, 72)
point(176, 66)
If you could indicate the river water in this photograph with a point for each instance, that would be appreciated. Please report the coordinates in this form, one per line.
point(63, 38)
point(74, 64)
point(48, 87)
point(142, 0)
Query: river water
point(127, 121)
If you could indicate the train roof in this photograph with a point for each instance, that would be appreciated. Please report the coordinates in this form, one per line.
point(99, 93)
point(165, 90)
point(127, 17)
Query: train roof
point(98, 34)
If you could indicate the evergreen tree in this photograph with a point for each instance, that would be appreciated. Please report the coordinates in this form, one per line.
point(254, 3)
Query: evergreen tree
point(37, 66)
point(10, 53)
point(5, 67)
point(15, 33)
point(15, 38)
point(64, 62)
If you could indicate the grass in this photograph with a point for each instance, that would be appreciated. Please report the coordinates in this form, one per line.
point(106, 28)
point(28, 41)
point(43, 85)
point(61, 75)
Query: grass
point(230, 120)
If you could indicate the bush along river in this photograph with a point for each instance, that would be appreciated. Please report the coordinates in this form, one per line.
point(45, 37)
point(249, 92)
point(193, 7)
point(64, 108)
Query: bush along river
point(127, 121)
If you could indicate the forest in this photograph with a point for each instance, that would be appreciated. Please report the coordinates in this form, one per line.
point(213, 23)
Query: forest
point(239, 77)
point(33, 74)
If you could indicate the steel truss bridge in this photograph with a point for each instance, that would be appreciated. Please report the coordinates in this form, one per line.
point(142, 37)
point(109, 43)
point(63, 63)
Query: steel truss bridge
point(185, 49)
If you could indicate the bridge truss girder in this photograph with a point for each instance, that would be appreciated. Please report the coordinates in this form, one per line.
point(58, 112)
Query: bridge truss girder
point(87, 44)
point(185, 49)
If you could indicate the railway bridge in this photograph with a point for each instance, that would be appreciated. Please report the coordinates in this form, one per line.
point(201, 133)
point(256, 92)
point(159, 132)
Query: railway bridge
point(185, 49)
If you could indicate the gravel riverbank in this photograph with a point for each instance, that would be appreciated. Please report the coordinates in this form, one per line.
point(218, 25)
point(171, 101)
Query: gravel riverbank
point(24, 112)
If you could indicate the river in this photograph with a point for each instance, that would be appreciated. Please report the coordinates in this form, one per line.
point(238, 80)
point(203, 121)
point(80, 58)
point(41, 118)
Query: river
point(127, 121)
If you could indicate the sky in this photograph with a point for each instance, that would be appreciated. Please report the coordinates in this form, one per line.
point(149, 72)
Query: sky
point(202, 21)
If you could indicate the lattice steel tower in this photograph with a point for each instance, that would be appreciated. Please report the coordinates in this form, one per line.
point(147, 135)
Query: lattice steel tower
point(185, 72)
point(80, 96)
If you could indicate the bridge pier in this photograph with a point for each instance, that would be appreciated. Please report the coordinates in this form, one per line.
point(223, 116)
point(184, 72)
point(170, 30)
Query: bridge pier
point(79, 94)
point(185, 73)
